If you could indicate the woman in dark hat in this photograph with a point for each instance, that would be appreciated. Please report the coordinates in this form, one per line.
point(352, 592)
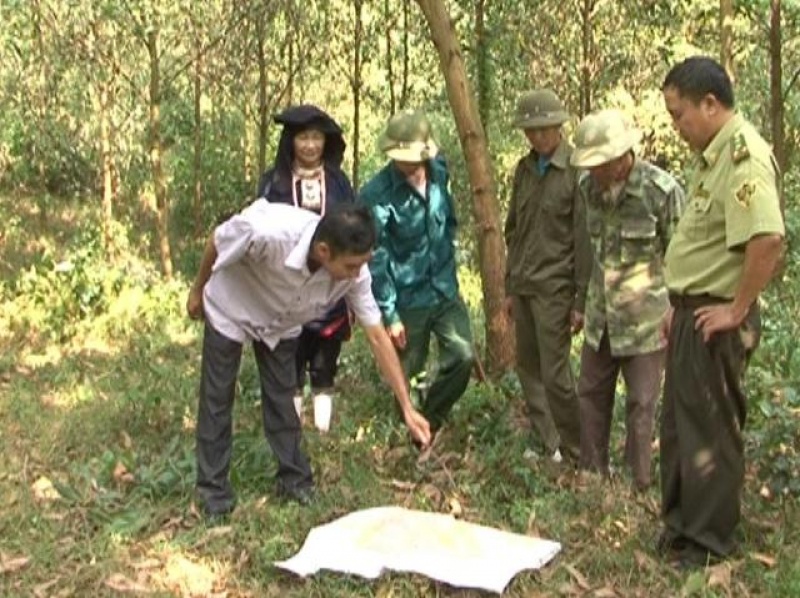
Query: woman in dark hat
point(307, 172)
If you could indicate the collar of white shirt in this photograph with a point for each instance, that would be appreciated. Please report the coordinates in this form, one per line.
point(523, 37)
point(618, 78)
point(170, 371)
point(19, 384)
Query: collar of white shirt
point(298, 256)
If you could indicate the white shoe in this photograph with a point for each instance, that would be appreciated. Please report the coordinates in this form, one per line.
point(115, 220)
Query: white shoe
point(532, 455)
point(298, 406)
point(323, 407)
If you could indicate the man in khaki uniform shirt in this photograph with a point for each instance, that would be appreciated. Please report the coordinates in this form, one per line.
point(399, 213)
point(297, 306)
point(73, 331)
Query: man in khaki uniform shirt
point(548, 268)
point(724, 252)
point(632, 208)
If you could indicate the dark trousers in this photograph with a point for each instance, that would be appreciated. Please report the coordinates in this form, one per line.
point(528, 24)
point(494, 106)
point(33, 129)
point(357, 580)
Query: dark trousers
point(596, 391)
point(543, 345)
point(449, 323)
point(318, 356)
point(702, 449)
point(219, 370)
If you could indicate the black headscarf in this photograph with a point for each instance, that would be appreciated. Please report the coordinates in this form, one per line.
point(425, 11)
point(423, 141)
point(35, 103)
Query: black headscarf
point(297, 119)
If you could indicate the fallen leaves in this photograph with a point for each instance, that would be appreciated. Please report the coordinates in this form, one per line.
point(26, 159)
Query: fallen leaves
point(454, 507)
point(766, 560)
point(13, 564)
point(578, 577)
point(719, 576)
point(119, 583)
point(44, 491)
point(43, 589)
point(121, 474)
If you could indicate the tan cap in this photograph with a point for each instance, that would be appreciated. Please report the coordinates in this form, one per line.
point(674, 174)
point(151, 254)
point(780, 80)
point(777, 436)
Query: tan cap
point(408, 137)
point(603, 136)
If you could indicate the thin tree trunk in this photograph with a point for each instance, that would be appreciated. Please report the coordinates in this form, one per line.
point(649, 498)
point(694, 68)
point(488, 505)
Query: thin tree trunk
point(482, 51)
point(587, 57)
point(198, 137)
point(106, 154)
point(405, 87)
point(726, 36)
point(389, 25)
point(156, 152)
point(247, 139)
point(776, 88)
point(356, 85)
point(263, 123)
point(40, 100)
point(290, 81)
point(104, 98)
point(491, 250)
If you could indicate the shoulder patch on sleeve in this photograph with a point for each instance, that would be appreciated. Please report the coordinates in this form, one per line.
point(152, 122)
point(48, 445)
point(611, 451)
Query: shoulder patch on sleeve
point(745, 193)
point(739, 149)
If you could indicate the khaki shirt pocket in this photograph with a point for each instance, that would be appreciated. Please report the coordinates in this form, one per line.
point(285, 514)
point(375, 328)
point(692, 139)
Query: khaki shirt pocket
point(637, 240)
point(697, 215)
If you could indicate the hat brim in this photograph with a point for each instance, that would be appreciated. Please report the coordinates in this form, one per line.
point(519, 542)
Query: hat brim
point(416, 151)
point(596, 156)
point(542, 122)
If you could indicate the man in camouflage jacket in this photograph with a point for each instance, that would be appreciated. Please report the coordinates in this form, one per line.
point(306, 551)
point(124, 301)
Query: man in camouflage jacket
point(632, 207)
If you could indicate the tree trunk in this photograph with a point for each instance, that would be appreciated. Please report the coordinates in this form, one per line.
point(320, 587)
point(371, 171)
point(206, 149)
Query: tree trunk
point(726, 36)
point(198, 137)
point(103, 94)
point(156, 151)
point(389, 25)
point(247, 140)
point(587, 57)
point(491, 250)
point(107, 157)
point(263, 124)
point(290, 80)
point(356, 86)
point(482, 53)
point(404, 88)
point(776, 89)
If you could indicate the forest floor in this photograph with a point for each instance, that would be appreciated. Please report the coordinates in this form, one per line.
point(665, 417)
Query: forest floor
point(97, 412)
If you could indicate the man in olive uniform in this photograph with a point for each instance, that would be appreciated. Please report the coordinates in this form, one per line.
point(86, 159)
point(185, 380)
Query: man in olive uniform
point(548, 268)
point(414, 266)
point(632, 207)
point(724, 252)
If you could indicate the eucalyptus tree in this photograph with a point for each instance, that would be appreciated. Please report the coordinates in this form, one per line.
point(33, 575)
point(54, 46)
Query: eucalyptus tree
point(491, 251)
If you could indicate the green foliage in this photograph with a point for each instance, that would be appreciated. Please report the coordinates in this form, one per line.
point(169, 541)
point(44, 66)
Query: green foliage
point(107, 417)
point(774, 376)
point(70, 290)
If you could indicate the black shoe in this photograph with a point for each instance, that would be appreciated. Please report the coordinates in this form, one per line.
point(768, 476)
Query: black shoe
point(668, 544)
point(694, 556)
point(302, 496)
point(219, 511)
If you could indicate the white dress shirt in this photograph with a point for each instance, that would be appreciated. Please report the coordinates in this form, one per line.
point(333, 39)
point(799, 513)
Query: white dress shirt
point(260, 286)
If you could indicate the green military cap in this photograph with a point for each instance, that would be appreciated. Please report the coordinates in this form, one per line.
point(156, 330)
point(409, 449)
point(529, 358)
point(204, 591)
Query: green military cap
point(408, 137)
point(603, 136)
point(538, 109)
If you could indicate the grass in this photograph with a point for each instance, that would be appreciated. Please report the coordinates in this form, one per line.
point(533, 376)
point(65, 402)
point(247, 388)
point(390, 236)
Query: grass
point(96, 479)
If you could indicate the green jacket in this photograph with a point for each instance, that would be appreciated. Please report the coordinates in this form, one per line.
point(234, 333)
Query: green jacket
point(414, 262)
point(630, 235)
point(545, 231)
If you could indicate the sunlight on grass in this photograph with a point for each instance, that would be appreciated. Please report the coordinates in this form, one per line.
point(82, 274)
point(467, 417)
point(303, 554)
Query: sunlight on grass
point(97, 415)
